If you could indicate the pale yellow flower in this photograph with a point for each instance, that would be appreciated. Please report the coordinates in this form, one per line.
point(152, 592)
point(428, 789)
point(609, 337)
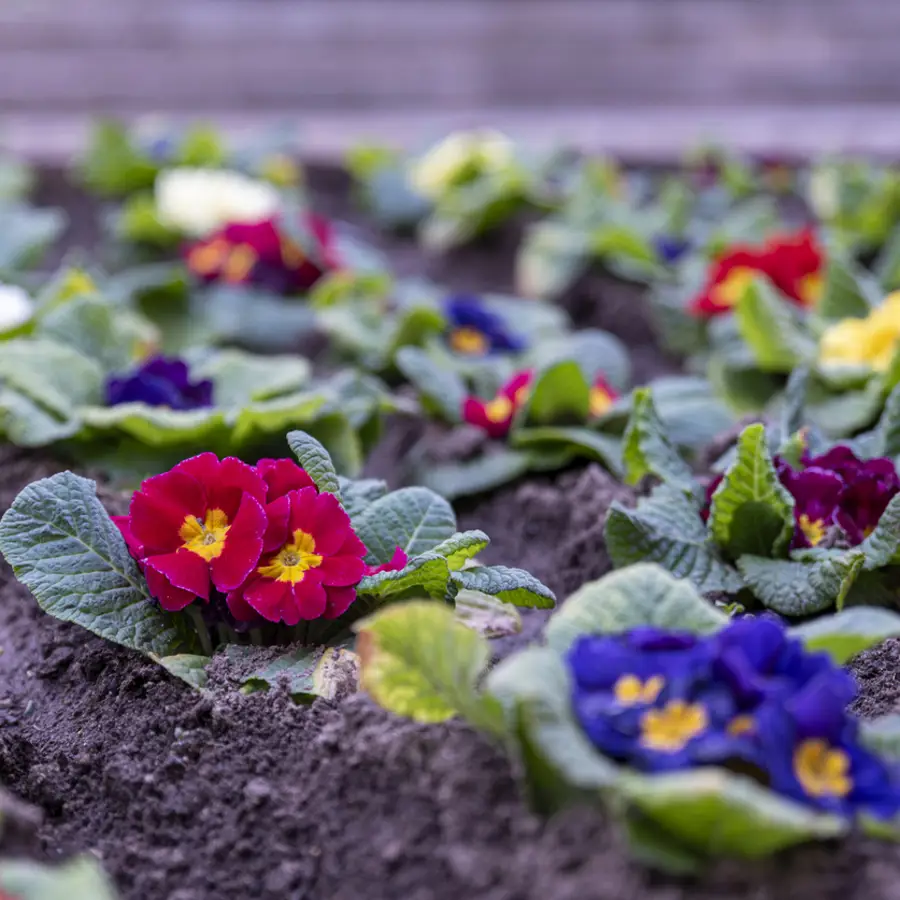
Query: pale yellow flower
point(458, 157)
point(871, 341)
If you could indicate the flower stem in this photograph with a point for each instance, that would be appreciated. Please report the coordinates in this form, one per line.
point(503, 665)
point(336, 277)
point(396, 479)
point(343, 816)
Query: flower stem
point(196, 615)
point(256, 637)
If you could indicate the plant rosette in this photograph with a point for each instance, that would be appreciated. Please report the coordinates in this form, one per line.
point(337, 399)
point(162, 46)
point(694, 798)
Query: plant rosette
point(369, 320)
point(562, 401)
point(799, 531)
point(703, 737)
point(216, 552)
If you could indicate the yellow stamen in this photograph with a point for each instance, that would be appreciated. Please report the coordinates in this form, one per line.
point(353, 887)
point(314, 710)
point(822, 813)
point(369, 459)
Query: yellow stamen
point(521, 395)
point(671, 728)
point(811, 288)
point(741, 725)
point(629, 690)
point(730, 290)
point(207, 259)
point(206, 538)
point(822, 771)
point(294, 560)
point(469, 341)
point(291, 254)
point(813, 529)
point(240, 263)
point(600, 401)
point(499, 409)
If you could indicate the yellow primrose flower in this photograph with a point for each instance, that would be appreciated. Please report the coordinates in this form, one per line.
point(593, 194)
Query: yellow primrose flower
point(871, 341)
point(459, 157)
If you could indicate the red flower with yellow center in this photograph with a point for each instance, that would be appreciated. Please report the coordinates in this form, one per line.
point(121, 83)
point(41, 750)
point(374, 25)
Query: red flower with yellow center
point(202, 523)
point(263, 254)
point(496, 416)
point(602, 397)
point(312, 562)
point(792, 264)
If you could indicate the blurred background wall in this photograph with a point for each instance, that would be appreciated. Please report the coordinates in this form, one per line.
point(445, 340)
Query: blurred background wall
point(637, 76)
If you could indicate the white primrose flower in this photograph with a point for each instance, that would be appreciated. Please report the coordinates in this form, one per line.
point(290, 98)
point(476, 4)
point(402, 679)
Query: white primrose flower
point(16, 307)
point(458, 157)
point(198, 202)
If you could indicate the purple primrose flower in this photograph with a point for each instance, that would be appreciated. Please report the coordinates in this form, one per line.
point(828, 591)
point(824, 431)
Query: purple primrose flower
point(160, 382)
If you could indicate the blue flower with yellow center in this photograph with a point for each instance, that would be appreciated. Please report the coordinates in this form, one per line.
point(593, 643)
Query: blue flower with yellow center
point(474, 330)
point(160, 382)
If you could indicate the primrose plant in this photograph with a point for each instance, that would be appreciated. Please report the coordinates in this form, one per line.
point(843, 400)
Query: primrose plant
point(789, 523)
point(216, 554)
point(704, 737)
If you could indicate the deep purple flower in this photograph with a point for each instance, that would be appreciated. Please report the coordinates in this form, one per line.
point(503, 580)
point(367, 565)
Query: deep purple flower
point(669, 248)
point(160, 382)
point(476, 331)
point(816, 494)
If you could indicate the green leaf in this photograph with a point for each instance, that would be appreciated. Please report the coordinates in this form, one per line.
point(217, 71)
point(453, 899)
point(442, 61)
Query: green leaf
point(64, 548)
point(691, 416)
point(647, 449)
point(596, 352)
point(487, 615)
point(241, 378)
point(882, 545)
point(768, 326)
point(25, 233)
point(514, 586)
point(476, 476)
point(751, 512)
point(461, 547)
point(844, 296)
point(801, 588)
point(425, 574)
point(440, 386)
point(666, 528)
point(414, 519)
point(417, 661)
point(794, 401)
point(189, 667)
point(550, 258)
point(886, 435)
point(316, 461)
point(849, 632)
point(310, 672)
point(718, 813)
point(883, 736)
point(156, 426)
point(574, 441)
point(80, 878)
point(642, 594)
point(559, 393)
point(113, 166)
point(358, 495)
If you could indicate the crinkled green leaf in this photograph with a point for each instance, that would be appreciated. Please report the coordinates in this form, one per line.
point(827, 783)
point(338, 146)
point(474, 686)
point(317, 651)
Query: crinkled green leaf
point(844, 413)
point(27, 424)
point(574, 441)
point(514, 586)
point(596, 352)
point(882, 546)
point(64, 548)
point(751, 512)
point(642, 594)
point(417, 661)
point(26, 232)
point(304, 410)
point(316, 461)
point(113, 165)
point(240, 378)
point(560, 393)
point(666, 528)
point(691, 415)
point(801, 588)
point(487, 615)
point(794, 400)
point(647, 449)
point(477, 476)
point(157, 426)
point(461, 547)
point(414, 519)
point(439, 386)
point(189, 667)
point(886, 435)
point(425, 574)
point(80, 878)
point(849, 631)
point(358, 495)
point(310, 672)
point(843, 296)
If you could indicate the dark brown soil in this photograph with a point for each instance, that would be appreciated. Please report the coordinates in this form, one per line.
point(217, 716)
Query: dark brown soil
point(186, 797)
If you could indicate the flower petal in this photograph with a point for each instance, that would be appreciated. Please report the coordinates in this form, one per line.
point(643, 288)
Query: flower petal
point(155, 522)
point(243, 546)
point(282, 476)
point(332, 524)
point(339, 601)
point(171, 599)
point(341, 570)
point(309, 600)
point(182, 569)
point(270, 599)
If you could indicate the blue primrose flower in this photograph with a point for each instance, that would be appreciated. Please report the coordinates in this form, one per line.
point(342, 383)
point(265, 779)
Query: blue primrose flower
point(749, 696)
point(160, 382)
point(476, 331)
point(670, 248)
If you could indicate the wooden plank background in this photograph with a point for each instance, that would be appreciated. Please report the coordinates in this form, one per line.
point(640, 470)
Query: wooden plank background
point(436, 61)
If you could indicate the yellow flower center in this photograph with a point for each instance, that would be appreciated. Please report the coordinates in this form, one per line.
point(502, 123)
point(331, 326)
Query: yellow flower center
point(813, 529)
point(811, 288)
point(205, 537)
point(741, 725)
point(629, 690)
point(294, 560)
point(499, 409)
point(207, 259)
point(822, 770)
point(291, 254)
point(469, 341)
point(240, 263)
point(729, 291)
point(600, 401)
point(671, 728)
point(281, 170)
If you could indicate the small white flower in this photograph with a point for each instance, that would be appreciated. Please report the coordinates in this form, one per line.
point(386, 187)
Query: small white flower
point(825, 192)
point(457, 157)
point(16, 307)
point(198, 202)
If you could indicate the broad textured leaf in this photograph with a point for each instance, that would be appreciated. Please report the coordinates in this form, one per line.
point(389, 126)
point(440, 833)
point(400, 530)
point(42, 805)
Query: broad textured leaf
point(316, 461)
point(63, 547)
point(475, 477)
point(158, 426)
point(849, 632)
point(461, 547)
point(666, 528)
point(514, 586)
point(417, 661)
point(413, 328)
point(794, 401)
point(886, 435)
point(25, 423)
point(240, 378)
point(559, 394)
point(882, 546)
point(550, 258)
point(579, 442)
point(596, 352)
point(642, 594)
point(80, 878)
point(718, 813)
point(751, 513)
point(647, 449)
point(691, 415)
point(25, 232)
point(441, 387)
point(801, 588)
point(309, 672)
point(414, 518)
point(189, 667)
point(487, 615)
point(426, 574)
point(358, 495)
point(844, 296)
